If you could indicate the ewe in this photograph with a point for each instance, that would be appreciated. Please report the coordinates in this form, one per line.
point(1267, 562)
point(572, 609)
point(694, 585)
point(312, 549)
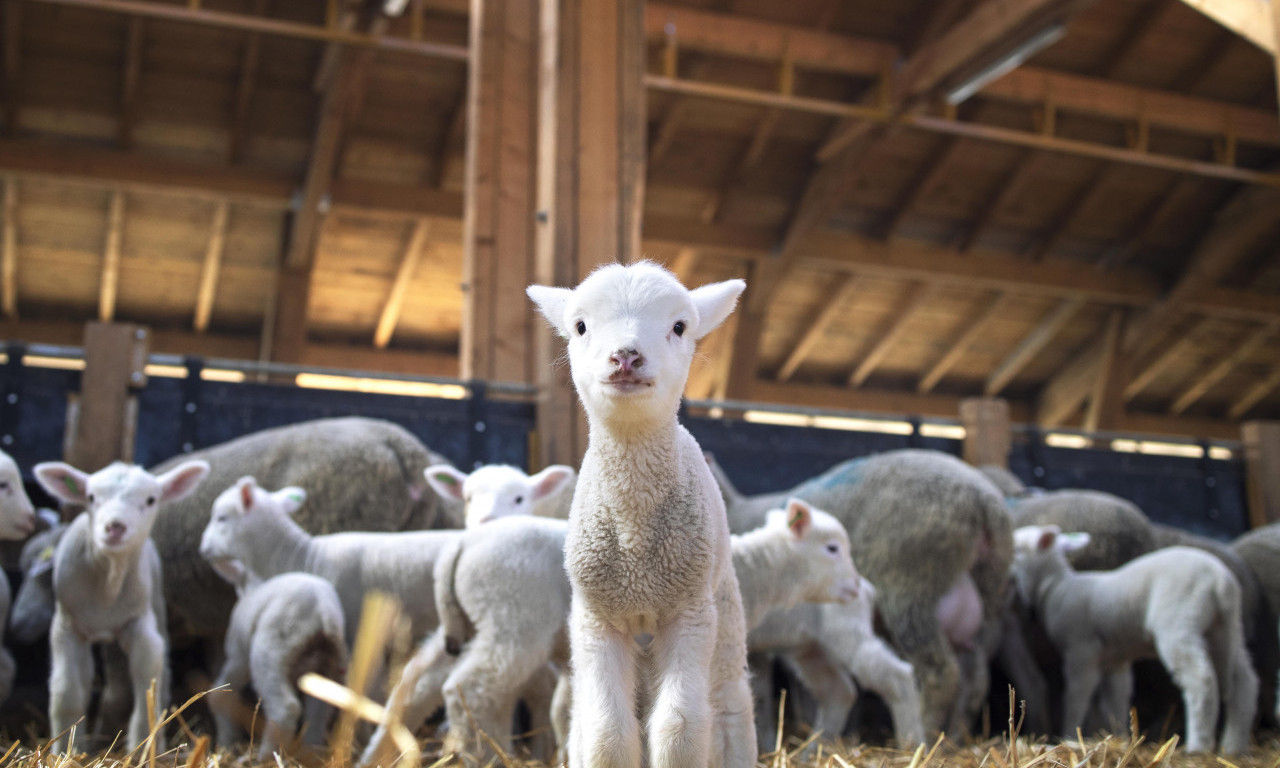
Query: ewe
point(106, 579)
point(1179, 604)
point(648, 543)
point(17, 521)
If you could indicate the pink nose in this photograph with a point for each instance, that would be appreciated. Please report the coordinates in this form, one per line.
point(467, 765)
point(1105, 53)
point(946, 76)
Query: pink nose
point(115, 529)
point(626, 360)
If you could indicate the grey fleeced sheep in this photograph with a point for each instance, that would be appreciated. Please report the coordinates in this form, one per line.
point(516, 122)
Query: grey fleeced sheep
point(903, 508)
point(1178, 604)
point(108, 587)
point(17, 521)
point(361, 474)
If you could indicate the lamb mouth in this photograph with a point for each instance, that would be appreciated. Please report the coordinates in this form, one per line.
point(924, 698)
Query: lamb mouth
point(627, 384)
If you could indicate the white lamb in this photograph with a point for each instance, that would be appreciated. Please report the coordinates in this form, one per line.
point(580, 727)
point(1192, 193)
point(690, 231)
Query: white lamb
point(648, 546)
point(499, 490)
point(17, 522)
point(268, 543)
point(280, 629)
point(1179, 604)
point(106, 579)
point(505, 594)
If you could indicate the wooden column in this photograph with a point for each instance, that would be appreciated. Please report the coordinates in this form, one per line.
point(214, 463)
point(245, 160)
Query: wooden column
point(590, 182)
point(106, 420)
point(987, 437)
point(1262, 462)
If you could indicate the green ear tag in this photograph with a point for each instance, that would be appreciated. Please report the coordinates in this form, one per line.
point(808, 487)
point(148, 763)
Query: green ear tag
point(296, 497)
point(71, 484)
point(45, 554)
point(795, 518)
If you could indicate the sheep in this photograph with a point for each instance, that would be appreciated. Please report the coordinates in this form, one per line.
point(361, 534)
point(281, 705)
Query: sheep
point(17, 522)
point(499, 490)
point(280, 629)
point(107, 584)
point(1260, 551)
point(800, 554)
point(902, 508)
point(648, 544)
point(825, 646)
point(257, 529)
point(1178, 604)
point(361, 474)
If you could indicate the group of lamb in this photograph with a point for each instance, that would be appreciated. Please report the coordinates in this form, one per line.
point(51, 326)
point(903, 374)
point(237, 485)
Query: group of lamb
point(626, 629)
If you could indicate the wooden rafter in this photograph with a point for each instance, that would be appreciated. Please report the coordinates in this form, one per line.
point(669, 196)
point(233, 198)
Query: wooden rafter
point(9, 251)
point(12, 63)
point(1251, 19)
point(1192, 77)
point(132, 73)
point(891, 330)
point(1061, 224)
point(683, 264)
point(409, 258)
point(836, 304)
point(972, 332)
point(1255, 394)
point(931, 20)
point(674, 118)
point(1031, 345)
point(454, 134)
point(1146, 223)
point(755, 150)
point(208, 290)
point(1207, 379)
point(1144, 17)
point(111, 247)
point(1106, 404)
point(927, 174)
point(1010, 184)
point(250, 57)
point(1169, 353)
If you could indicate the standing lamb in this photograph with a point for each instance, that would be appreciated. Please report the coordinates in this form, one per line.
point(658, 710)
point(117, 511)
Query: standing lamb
point(906, 507)
point(17, 522)
point(107, 582)
point(648, 545)
point(281, 629)
point(1178, 604)
point(499, 490)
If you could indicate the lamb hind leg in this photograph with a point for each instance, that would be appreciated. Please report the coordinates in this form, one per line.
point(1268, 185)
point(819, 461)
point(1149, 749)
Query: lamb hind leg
point(145, 648)
point(1187, 660)
point(914, 627)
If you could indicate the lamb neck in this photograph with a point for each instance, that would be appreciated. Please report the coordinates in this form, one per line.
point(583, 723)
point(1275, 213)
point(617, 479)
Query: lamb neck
point(284, 546)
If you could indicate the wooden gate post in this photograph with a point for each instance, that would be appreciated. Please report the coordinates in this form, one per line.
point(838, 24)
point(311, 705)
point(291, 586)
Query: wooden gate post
point(1262, 468)
point(105, 421)
point(987, 437)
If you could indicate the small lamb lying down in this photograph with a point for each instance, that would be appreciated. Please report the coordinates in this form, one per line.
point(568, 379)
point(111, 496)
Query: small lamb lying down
point(280, 629)
point(1178, 604)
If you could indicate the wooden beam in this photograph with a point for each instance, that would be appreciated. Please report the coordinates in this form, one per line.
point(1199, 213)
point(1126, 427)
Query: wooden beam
point(1146, 16)
point(926, 175)
point(250, 58)
point(1031, 345)
point(212, 265)
point(115, 355)
point(1193, 76)
point(835, 306)
point(111, 258)
point(1207, 379)
point(1147, 222)
point(1261, 441)
point(1254, 395)
point(987, 434)
point(454, 135)
point(1106, 403)
point(1251, 19)
point(1009, 185)
point(1181, 345)
point(12, 64)
point(994, 309)
point(9, 251)
point(131, 74)
point(322, 33)
point(683, 264)
point(890, 330)
point(409, 258)
point(1061, 224)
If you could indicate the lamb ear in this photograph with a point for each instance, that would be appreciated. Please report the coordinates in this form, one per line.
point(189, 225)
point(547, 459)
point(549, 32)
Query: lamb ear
point(1073, 542)
point(551, 480)
point(63, 482)
point(714, 302)
point(799, 517)
point(290, 499)
point(179, 482)
point(1047, 538)
point(445, 480)
point(246, 485)
point(551, 302)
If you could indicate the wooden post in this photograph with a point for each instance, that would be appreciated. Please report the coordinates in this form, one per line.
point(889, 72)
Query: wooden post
point(115, 356)
point(590, 182)
point(1262, 464)
point(987, 437)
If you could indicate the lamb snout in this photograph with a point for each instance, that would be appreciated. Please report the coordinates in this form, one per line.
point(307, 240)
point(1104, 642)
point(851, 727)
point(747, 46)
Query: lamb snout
point(113, 533)
point(627, 359)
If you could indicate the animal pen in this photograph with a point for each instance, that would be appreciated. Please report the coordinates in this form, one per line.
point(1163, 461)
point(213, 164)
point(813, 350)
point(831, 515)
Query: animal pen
point(1040, 234)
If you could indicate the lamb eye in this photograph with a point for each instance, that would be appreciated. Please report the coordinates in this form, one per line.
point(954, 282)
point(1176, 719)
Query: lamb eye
point(519, 499)
point(151, 500)
point(679, 328)
point(91, 499)
point(582, 328)
point(4, 486)
point(833, 548)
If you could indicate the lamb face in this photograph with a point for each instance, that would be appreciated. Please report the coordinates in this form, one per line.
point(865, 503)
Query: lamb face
point(823, 544)
point(122, 500)
point(1036, 548)
point(232, 518)
point(498, 490)
point(17, 516)
point(631, 332)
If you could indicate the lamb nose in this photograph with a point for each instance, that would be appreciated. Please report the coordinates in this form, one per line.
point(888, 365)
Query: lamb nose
point(115, 529)
point(626, 359)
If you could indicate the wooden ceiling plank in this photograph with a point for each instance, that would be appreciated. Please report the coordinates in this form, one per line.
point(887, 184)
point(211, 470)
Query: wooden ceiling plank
point(1192, 77)
point(1106, 401)
point(208, 290)
point(1205, 381)
point(1251, 19)
point(1254, 395)
point(927, 174)
point(1010, 184)
point(683, 264)
point(1061, 225)
point(455, 133)
point(1145, 16)
point(891, 330)
point(131, 74)
point(12, 63)
point(246, 83)
point(9, 251)
point(974, 330)
point(111, 247)
point(835, 305)
point(1145, 224)
point(1151, 369)
point(1031, 345)
point(409, 259)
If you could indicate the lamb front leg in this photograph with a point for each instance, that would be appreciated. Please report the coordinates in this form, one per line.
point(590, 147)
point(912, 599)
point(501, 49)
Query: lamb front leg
point(144, 646)
point(603, 729)
point(679, 721)
point(70, 680)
